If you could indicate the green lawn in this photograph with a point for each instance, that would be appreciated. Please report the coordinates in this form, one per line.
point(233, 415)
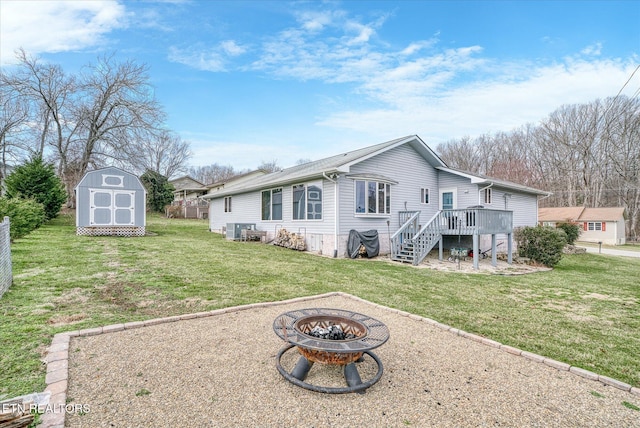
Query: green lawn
point(586, 312)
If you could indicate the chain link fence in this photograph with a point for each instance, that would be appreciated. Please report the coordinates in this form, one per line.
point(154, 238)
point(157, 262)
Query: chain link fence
point(6, 274)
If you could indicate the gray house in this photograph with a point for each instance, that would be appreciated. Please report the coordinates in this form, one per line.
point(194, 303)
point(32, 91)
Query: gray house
point(399, 188)
point(110, 201)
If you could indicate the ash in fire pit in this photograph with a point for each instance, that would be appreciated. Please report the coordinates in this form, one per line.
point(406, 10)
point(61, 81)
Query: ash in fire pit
point(332, 332)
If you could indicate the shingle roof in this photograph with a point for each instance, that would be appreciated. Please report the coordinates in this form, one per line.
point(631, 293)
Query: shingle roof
point(334, 164)
point(483, 179)
point(558, 214)
point(602, 214)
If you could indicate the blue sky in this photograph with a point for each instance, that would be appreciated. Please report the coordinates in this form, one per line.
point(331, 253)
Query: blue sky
point(247, 82)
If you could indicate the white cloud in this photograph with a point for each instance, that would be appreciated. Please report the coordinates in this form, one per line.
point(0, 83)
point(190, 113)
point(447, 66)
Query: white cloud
point(499, 103)
point(215, 59)
point(230, 47)
point(56, 26)
point(595, 49)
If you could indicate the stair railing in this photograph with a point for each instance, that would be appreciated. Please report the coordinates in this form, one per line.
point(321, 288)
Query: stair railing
point(405, 234)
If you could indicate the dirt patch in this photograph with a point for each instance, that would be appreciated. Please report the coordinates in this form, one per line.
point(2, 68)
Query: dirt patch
point(484, 266)
point(66, 319)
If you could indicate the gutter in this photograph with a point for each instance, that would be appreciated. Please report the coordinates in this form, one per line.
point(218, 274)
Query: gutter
point(334, 180)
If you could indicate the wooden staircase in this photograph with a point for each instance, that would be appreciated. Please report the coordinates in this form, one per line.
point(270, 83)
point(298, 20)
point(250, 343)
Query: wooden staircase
point(412, 243)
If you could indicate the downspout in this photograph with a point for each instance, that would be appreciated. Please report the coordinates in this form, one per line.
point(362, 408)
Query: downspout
point(334, 180)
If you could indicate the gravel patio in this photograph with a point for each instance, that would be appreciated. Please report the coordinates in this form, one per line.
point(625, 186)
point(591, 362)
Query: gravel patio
point(217, 369)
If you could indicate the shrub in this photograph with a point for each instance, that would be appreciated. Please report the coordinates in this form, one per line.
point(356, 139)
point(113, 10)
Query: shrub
point(572, 230)
point(37, 180)
point(159, 190)
point(541, 244)
point(25, 215)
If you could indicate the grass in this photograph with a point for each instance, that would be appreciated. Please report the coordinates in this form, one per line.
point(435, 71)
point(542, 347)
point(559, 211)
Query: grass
point(584, 312)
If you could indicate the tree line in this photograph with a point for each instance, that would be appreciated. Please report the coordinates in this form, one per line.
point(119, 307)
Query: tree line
point(586, 154)
point(106, 114)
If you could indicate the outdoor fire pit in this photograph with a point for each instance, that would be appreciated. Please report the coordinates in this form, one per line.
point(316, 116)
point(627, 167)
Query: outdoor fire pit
point(331, 337)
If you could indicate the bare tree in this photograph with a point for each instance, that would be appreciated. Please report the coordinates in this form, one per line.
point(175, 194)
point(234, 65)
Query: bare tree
point(117, 105)
point(212, 173)
point(587, 155)
point(163, 152)
point(270, 166)
point(14, 113)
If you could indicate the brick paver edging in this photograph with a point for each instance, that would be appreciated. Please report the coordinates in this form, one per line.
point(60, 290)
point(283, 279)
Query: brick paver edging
point(57, 359)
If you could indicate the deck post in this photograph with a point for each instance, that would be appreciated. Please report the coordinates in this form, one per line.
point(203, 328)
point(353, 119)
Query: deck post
point(476, 251)
point(494, 256)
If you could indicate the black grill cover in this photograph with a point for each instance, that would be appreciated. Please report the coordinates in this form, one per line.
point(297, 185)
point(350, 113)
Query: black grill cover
point(369, 239)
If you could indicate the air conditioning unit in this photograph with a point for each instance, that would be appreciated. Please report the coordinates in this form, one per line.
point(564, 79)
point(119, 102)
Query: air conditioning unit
point(234, 230)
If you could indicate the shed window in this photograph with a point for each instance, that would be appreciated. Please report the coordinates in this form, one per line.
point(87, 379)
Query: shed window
point(307, 202)
point(227, 204)
point(272, 204)
point(373, 197)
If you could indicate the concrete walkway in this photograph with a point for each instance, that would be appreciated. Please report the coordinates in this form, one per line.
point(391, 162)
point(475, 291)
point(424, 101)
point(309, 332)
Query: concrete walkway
point(612, 252)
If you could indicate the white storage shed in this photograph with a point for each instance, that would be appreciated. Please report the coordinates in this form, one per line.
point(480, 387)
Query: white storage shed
point(110, 201)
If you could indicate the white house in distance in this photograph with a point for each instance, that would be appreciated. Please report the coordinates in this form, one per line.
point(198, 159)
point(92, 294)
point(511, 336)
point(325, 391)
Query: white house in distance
point(604, 225)
point(399, 188)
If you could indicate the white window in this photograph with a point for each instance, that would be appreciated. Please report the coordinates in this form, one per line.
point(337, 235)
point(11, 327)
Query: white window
point(227, 204)
point(424, 196)
point(307, 202)
point(487, 196)
point(372, 197)
point(272, 204)
point(594, 225)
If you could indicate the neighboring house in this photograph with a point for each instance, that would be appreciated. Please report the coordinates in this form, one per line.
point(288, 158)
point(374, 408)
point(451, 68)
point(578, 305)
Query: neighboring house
point(187, 190)
point(185, 199)
point(399, 188)
point(110, 201)
point(606, 225)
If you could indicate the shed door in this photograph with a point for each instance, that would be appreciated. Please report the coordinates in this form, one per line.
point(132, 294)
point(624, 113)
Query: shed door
point(112, 207)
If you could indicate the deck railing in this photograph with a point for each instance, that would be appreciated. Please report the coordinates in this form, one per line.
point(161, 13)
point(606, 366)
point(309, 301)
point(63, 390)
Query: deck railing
point(475, 221)
point(411, 244)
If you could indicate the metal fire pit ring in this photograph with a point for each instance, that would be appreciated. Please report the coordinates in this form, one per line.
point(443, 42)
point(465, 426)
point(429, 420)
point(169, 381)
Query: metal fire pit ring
point(353, 378)
point(293, 327)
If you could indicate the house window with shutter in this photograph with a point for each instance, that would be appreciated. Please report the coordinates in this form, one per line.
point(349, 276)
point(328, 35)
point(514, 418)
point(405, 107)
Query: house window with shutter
point(227, 204)
point(594, 226)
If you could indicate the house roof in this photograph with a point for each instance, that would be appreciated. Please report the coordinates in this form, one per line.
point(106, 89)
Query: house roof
point(187, 183)
point(335, 164)
point(577, 214)
point(485, 180)
point(602, 214)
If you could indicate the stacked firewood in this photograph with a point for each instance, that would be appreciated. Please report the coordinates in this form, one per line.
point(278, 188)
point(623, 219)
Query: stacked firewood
point(15, 417)
point(295, 241)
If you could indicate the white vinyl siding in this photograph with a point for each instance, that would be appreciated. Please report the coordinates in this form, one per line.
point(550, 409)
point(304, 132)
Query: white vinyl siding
point(408, 170)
